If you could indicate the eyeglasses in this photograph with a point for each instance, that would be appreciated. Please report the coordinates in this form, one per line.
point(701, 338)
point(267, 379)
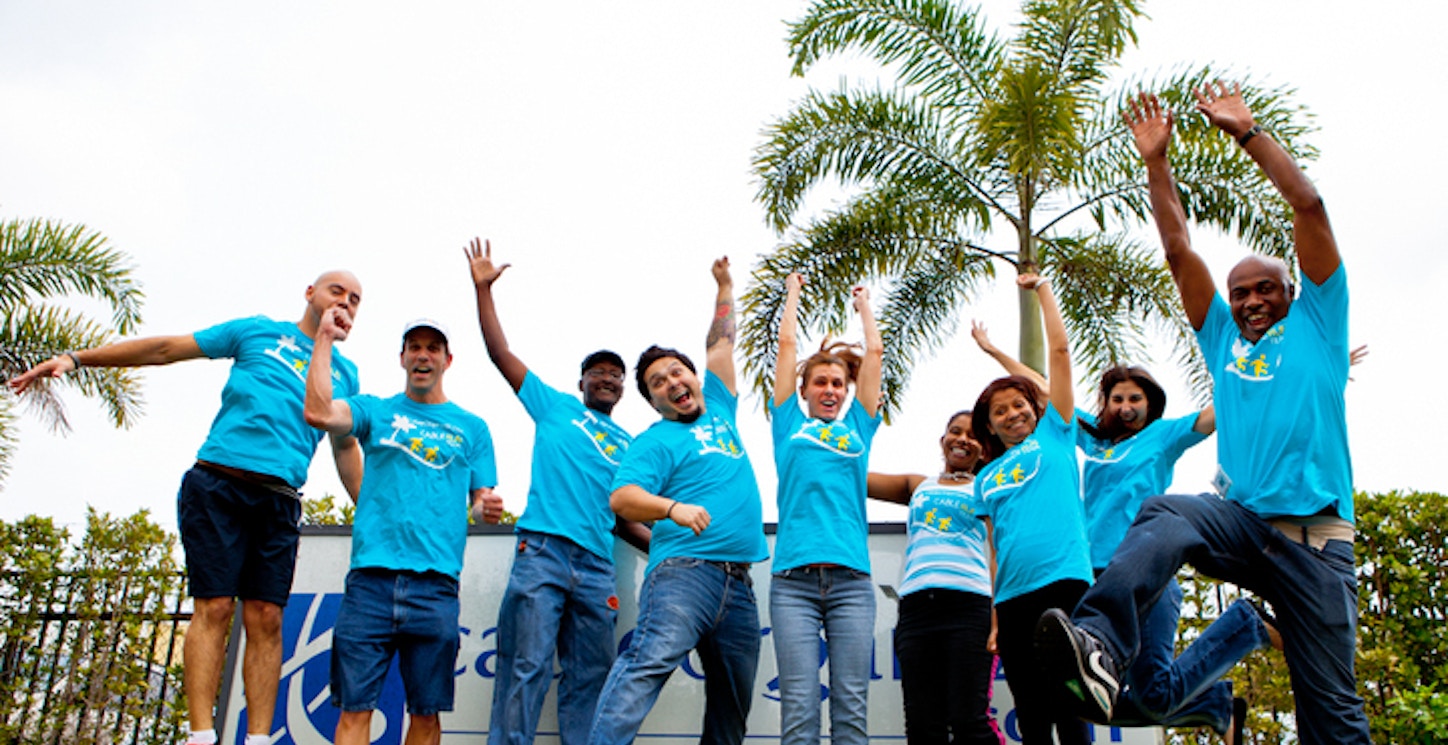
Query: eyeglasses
point(596, 372)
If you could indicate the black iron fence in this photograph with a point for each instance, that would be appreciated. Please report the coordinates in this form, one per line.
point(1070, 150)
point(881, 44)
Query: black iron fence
point(92, 656)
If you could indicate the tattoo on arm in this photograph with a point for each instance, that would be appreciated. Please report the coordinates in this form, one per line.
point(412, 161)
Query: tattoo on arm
point(722, 329)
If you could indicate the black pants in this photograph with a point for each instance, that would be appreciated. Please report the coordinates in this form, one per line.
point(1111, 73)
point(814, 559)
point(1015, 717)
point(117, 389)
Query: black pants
point(1041, 700)
point(945, 668)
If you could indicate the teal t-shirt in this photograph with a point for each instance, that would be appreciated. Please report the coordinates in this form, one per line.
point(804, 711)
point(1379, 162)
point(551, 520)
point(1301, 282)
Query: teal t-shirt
point(260, 426)
point(576, 451)
point(421, 463)
point(1281, 417)
point(822, 467)
point(1032, 494)
point(703, 463)
point(1118, 476)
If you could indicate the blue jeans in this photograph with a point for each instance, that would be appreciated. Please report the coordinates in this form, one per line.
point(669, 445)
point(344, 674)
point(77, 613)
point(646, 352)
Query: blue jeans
point(842, 602)
point(560, 598)
point(1163, 689)
point(408, 614)
point(1314, 593)
point(686, 604)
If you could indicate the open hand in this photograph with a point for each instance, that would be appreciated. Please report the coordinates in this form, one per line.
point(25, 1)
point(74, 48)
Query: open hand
point(480, 260)
point(1224, 108)
point(1150, 125)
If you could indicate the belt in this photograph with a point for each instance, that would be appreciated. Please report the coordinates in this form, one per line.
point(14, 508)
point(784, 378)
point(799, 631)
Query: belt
point(263, 480)
point(1315, 534)
point(737, 569)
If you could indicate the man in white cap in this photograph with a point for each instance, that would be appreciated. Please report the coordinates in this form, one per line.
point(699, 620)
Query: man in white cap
point(426, 461)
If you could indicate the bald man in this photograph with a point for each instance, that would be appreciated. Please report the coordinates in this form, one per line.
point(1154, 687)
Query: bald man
point(1281, 523)
point(238, 507)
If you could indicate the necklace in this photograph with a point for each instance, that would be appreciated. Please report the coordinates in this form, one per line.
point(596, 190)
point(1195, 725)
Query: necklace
point(962, 476)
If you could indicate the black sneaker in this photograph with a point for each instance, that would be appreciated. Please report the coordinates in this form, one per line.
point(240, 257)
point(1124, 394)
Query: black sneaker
point(1080, 661)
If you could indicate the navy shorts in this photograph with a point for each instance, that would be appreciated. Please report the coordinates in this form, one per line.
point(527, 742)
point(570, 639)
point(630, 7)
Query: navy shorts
point(240, 538)
point(413, 615)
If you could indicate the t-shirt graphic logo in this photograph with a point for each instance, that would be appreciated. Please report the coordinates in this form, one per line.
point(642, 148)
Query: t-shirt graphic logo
point(837, 437)
point(718, 437)
point(1003, 479)
point(1249, 367)
point(609, 444)
point(1108, 453)
point(294, 358)
point(425, 446)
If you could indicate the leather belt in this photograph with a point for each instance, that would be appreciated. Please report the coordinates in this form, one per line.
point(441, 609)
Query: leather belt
point(263, 480)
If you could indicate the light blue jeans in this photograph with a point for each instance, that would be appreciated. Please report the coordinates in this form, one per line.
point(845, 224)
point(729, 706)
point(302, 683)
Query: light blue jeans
point(802, 602)
point(560, 599)
point(686, 604)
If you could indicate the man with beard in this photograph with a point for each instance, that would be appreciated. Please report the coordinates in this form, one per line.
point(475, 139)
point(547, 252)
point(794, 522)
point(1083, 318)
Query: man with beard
point(690, 473)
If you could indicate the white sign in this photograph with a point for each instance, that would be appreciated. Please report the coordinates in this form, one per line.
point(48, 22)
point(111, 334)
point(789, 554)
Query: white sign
point(305, 715)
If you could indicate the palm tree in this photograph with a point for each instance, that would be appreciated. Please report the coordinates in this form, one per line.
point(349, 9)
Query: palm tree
point(979, 134)
point(41, 261)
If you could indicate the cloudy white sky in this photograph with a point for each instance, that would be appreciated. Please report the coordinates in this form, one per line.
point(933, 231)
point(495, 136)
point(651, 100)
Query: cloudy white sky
point(236, 151)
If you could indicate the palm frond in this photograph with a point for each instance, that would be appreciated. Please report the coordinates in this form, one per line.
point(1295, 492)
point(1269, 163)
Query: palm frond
point(32, 334)
point(942, 49)
point(8, 440)
point(1078, 40)
point(43, 258)
point(860, 137)
point(921, 311)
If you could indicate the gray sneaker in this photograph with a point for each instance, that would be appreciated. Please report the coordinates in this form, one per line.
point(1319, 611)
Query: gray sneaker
point(1079, 660)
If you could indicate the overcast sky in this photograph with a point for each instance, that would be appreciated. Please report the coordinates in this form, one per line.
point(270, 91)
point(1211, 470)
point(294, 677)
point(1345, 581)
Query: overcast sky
point(235, 151)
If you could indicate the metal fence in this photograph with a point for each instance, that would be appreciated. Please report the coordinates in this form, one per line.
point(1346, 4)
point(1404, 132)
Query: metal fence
point(92, 656)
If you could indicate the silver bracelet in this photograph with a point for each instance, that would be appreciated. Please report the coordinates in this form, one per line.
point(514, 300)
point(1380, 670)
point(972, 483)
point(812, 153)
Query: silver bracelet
point(74, 360)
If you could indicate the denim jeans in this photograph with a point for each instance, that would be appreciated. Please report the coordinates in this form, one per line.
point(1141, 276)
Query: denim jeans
point(1314, 593)
point(560, 598)
point(842, 602)
point(945, 668)
point(685, 604)
point(412, 615)
point(1163, 689)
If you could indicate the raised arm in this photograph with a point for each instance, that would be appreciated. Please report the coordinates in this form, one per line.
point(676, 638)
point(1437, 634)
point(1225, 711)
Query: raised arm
point(485, 273)
point(719, 346)
point(867, 386)
point(320, 410)
point(1058, 349)
point(1012, 365)
point(786, 360)
point(1151, 128)
point(151, 350)
point(1317, 253)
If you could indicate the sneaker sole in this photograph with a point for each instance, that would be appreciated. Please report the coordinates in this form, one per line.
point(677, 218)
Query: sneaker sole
point(1056, 646)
